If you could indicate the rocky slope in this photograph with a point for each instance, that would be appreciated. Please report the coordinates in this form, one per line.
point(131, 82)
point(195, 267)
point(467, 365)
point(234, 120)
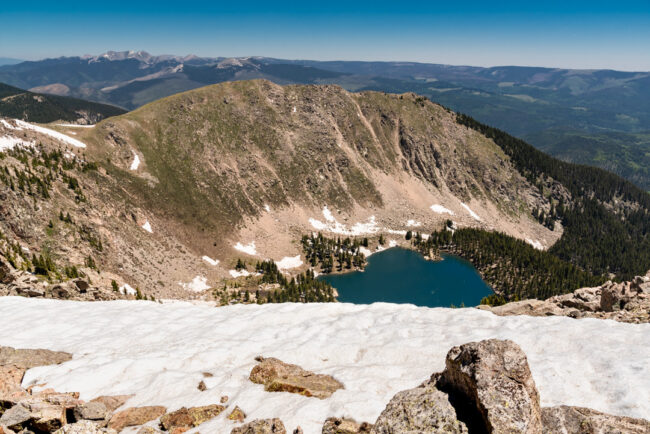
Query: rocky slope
point(168, 196)
point(625, 302)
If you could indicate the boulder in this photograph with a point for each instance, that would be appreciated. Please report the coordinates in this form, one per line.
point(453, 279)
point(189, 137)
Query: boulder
point(91, 411)
point(10, 389)
point(190, 417)
point(5, 430)
point(334, 425)
point(422, 409)
point(81, 285)
point(6, 273)
point(261, 426)
point(237, 415)
point(277, 376)
point(35, 414)
point(564, 419)
point(31, 358)
point(112, 403)
point(490, 385)
point(84, 427)
point(135, 416)
point(202, 387)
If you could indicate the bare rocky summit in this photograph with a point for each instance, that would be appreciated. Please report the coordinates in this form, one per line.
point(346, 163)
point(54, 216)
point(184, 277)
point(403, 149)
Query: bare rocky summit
point(625, 302)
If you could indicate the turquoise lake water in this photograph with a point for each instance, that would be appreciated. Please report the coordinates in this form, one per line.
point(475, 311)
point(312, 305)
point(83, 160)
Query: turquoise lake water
point(404, 276)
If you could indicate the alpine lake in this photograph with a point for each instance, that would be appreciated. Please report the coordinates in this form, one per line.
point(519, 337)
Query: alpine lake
point(398, 275)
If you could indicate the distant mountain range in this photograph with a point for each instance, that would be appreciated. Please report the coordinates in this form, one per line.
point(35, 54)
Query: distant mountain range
point(596, 117)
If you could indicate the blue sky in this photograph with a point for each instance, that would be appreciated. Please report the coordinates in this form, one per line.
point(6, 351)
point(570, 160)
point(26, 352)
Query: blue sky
point(578, 34)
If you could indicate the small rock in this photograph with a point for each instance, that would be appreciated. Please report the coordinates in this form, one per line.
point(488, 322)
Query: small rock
point(565, 419)
point(135, 416)
point(224, 399)
point(207, 375)
point(261, 426)
point(31, 358)
point(422, 409)
point(277, 376)
point(237, 415)
point(5, 430)
point(16, 417)
point(112, 403)
point(190, 417)
point(82, 285)
point(202, 387)
point(334, 425)
point(298, 430)
point(490, 385)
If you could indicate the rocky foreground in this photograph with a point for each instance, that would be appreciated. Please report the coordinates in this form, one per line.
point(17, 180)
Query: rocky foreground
point(486, 387)
point(625, 302)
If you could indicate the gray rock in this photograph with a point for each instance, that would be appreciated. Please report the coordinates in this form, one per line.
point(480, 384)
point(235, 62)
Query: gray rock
point(84, 427)
point(419, 410)
point(564, 419)
point(91, 411)
point(491, 387)
point(261, 426)
point(16, 417)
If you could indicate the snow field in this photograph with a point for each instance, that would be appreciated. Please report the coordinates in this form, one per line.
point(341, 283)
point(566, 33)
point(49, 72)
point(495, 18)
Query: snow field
point(159, 352)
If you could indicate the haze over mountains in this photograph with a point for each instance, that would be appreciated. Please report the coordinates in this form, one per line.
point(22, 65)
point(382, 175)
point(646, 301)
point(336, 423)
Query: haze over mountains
point(595, 117)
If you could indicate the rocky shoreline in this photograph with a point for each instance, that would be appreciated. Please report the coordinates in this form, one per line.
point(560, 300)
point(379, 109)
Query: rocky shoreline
point(486, 387)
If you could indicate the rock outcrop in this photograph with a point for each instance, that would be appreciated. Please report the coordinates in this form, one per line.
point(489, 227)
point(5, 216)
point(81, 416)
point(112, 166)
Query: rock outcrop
point(261, 426)
point(277, 376)
point(28, 358)
point(564, 419)
point(624, 302)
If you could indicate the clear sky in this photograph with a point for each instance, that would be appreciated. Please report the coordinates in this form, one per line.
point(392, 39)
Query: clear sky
point(579, 34)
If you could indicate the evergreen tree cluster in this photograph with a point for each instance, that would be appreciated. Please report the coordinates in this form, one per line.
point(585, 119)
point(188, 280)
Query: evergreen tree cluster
point(329, 253)
point(513, 268)
point(304, 288)
point(607, 220)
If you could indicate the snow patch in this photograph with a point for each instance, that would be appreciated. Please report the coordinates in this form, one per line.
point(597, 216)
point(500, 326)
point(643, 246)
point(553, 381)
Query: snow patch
point(332, 225)
point(392, 243)
point(472, 213)
point(388, 348)
point(366, 252)
point(536, 244)
point(294, 109)
point(289, 262)
point(54, 134)
point(198, 284)
point(267, 208)
point(136, 162)
point(8, 125)
point(8, 142)
point(209, 260)
point(147, 227)
point(413, 223)
point(249, 249)
point(127, 289)
point(239, 273)
point(396, 232)
point(75, 126)
point(441, 209)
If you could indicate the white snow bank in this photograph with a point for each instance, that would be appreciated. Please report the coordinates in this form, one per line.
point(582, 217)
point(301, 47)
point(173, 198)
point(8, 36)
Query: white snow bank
point(413, 223)
point(136, 162)
point(239, 273)
point(289, 262)
point(333, 226)
point(75, 126)
point(8, 142)
point(267, 208)
point(54, 134)
point(396, 232)
point(536, 244)
point(209, 260)
point(159, 352)
point(392, 243)
point(147, 227)
point(472, 213)
point(198, 284)
point(249, 249)
point(8, 125)
point(441, 209)
point(366, 252)
point(127, 289)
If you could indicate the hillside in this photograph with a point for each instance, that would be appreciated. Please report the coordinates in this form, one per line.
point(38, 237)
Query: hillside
point(565, 112)
point(169, 197)
point(33, 107)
